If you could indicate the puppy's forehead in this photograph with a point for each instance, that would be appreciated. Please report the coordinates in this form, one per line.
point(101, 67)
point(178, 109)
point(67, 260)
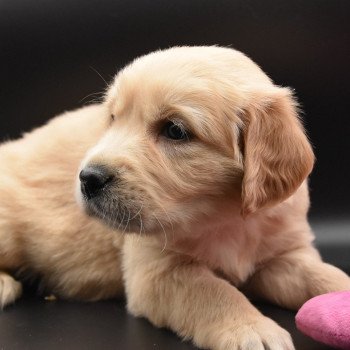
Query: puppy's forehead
point(194, 76)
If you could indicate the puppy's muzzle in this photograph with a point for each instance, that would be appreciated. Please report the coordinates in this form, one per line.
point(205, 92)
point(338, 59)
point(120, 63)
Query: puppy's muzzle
point(93, 179)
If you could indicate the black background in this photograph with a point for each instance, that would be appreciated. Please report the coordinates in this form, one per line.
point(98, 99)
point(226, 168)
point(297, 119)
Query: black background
point(51, 52)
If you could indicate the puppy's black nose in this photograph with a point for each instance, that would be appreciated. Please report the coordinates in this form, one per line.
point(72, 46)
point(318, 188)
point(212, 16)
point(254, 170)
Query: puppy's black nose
point(93, 179)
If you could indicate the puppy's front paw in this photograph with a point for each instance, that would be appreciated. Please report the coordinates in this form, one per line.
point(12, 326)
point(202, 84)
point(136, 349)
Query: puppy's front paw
point(10, 290)
point(261, 334)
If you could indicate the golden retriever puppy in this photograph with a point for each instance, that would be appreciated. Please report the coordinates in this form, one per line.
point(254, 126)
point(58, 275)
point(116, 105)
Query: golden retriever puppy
point(191, 184)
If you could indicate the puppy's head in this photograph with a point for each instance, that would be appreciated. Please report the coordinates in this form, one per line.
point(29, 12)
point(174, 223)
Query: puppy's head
point(193, 129)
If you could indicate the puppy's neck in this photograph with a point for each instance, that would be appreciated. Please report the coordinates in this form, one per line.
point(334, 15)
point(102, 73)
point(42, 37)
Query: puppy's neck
point(220, 241)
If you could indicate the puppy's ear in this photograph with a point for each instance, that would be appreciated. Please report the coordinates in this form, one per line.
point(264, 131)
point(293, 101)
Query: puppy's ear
point(277, 154)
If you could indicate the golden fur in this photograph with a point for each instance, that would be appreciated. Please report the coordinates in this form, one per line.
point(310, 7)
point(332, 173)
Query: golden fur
point(217, 214)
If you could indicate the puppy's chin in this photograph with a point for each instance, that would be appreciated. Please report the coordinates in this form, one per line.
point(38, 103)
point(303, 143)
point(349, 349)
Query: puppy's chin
point(112, 213)
point(117, 216)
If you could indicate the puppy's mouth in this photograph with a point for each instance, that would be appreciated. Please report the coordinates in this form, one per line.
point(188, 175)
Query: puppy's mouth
point(114, 213)
point(101, 200)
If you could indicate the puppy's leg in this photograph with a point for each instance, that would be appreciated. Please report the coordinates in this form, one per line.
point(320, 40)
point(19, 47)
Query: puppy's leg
point(10, 257)
point(294, 277)
point(172, 291)
point(10, 289)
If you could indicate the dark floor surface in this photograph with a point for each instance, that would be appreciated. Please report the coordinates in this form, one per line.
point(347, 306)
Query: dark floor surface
point(36, 324)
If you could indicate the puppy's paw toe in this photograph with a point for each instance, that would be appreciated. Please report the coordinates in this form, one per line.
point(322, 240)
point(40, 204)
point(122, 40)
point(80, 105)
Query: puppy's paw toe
point(243, 338)
point(264, 334)
point(10, 290)
point(272, 335)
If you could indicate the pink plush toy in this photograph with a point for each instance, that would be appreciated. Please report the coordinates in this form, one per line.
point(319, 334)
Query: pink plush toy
point(326, 318)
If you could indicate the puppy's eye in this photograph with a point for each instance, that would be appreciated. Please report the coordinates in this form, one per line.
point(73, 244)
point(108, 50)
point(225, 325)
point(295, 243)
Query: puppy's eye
point(112, 117)
point(174, 132)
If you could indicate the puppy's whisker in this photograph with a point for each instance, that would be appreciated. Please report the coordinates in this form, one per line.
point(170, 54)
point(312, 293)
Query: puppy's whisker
point(114, 208)
point(171, 223)
point(93, 100)
point(141, 228)
point(97, 97)
point(95, 70)
point(104, 213)
point(115, 221)
point(127, 222)
point(121, 221)
point(139, 211)
point(165, 236)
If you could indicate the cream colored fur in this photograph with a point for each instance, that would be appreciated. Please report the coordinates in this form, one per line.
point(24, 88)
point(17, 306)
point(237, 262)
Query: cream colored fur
point(203, 220)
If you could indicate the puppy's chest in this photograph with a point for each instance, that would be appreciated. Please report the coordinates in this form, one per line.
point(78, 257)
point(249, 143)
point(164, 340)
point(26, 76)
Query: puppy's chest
point(231, 252)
